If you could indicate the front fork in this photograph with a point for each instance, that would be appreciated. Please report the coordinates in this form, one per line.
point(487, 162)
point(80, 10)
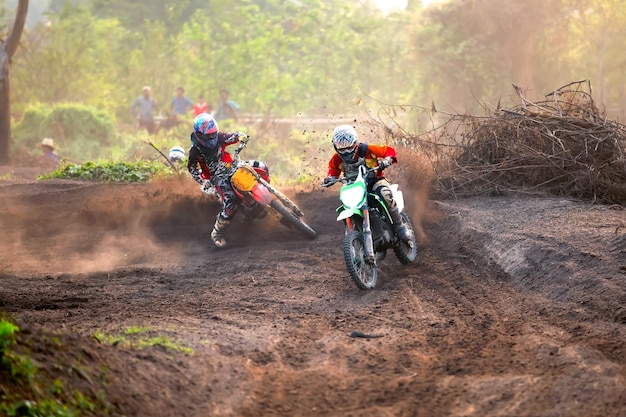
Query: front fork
point(367, 237)
point(367, 234)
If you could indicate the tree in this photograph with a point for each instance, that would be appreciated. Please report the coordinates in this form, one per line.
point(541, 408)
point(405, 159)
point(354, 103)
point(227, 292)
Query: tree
point(7, 49)
point(468, 50)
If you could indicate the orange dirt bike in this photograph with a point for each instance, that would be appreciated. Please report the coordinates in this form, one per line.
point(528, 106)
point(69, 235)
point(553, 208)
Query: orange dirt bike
point(369, 228)
point(257, 196)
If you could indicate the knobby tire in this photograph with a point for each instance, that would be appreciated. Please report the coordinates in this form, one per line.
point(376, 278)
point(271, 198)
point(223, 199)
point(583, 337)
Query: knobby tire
point(292, 219)
point(364, 275)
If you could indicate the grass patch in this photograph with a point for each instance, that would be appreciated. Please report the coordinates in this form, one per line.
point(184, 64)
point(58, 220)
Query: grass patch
point(135, 330)
point(141, 337)
point(165, 342)
point(29, 391)
point(140, 171)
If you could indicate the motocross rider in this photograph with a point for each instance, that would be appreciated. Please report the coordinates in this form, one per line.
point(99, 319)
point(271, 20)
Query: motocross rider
point(351, 154)
point(209, 164)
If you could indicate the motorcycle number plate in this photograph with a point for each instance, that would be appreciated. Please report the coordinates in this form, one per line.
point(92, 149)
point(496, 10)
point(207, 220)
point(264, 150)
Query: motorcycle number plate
point(243, 179)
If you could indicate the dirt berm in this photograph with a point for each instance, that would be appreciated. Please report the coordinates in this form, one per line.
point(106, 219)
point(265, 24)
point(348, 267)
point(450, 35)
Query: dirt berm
point(515, 306)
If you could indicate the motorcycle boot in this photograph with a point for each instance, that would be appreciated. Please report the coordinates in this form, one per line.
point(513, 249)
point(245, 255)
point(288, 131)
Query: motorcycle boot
point(400, 229)
point(218, 229)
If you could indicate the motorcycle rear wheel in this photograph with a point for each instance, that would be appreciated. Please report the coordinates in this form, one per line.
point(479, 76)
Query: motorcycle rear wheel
point(406, 252)
point(292, 220)
point(364, 274)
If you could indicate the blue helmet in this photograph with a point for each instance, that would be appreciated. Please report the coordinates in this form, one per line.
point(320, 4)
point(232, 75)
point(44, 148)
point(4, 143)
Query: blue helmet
point(205, 132)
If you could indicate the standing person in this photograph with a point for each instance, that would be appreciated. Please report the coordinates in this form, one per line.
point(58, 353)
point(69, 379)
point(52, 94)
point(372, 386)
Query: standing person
point(201, 106)
point(180, 103)
point(50, 158)
point(226, 108)
point(351, 154)
point(143, 109)
point(208, 164)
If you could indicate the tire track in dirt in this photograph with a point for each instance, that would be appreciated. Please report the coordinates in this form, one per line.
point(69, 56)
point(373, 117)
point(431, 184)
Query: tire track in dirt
point(269, 318)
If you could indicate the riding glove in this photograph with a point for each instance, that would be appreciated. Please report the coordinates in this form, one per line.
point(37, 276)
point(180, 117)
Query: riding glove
point(385, 163)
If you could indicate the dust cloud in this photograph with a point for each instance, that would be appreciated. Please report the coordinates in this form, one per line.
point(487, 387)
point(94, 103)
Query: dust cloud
point(93, 227)
point(414, 174)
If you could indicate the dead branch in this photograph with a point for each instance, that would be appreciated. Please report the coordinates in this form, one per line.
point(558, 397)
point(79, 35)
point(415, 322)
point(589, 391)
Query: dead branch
point(562, 145)
point(149, 142)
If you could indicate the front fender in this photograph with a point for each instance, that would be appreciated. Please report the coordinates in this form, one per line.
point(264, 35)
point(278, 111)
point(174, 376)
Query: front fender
point(261, 195)
point(349, 212)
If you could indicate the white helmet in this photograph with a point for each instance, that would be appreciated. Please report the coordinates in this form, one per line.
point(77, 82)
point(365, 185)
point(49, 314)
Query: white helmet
point(345, 139)
point(177, 154)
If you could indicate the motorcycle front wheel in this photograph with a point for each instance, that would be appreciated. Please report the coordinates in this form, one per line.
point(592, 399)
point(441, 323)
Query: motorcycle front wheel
point(292, 220)
point(364, 274)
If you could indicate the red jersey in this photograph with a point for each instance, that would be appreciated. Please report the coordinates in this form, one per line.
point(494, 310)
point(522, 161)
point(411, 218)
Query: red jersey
point(370, 154)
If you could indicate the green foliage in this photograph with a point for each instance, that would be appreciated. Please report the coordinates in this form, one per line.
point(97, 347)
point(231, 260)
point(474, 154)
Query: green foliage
point(164, 342)
point(19, 366)
point(78, 129)
point(333, 57)
point(140, 337)
point(7, 334)
point(43, 408)
point(133, 13)
point(104, 54)
point(34, 399)
point(140, 171)
point(108, 339)
point(135, 330)
point(33, 126)
point(80, 123)
point(76, 59)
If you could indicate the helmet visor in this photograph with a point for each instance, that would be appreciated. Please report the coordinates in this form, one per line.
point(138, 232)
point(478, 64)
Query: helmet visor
point(207, 139)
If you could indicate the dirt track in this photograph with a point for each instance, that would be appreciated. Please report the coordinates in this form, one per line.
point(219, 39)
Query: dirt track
point(515, 307)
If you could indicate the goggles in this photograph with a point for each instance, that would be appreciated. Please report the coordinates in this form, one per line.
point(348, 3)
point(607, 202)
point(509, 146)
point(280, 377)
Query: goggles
point(207, 139)
point(347, 152)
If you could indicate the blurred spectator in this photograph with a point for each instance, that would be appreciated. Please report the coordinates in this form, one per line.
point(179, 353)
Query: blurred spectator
point(226, 108)
point(180, 103)
point(201, 106)
point(50, 159)
point(143, 109)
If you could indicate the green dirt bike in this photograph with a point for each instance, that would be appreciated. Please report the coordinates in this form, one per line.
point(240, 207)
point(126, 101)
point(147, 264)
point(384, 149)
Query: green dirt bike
point(369, 228)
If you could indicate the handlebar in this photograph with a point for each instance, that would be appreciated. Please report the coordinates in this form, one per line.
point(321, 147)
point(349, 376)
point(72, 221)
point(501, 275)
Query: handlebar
point(344, 179)
point(242, 145)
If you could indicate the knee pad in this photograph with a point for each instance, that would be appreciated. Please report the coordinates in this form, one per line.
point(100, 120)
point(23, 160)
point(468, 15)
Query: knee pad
point(385, 193)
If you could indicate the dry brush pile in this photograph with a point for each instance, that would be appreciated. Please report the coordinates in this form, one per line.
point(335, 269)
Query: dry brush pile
point(562, 145)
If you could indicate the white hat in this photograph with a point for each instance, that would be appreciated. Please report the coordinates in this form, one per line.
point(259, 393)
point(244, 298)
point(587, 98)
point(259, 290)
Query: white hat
point(47, 142)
